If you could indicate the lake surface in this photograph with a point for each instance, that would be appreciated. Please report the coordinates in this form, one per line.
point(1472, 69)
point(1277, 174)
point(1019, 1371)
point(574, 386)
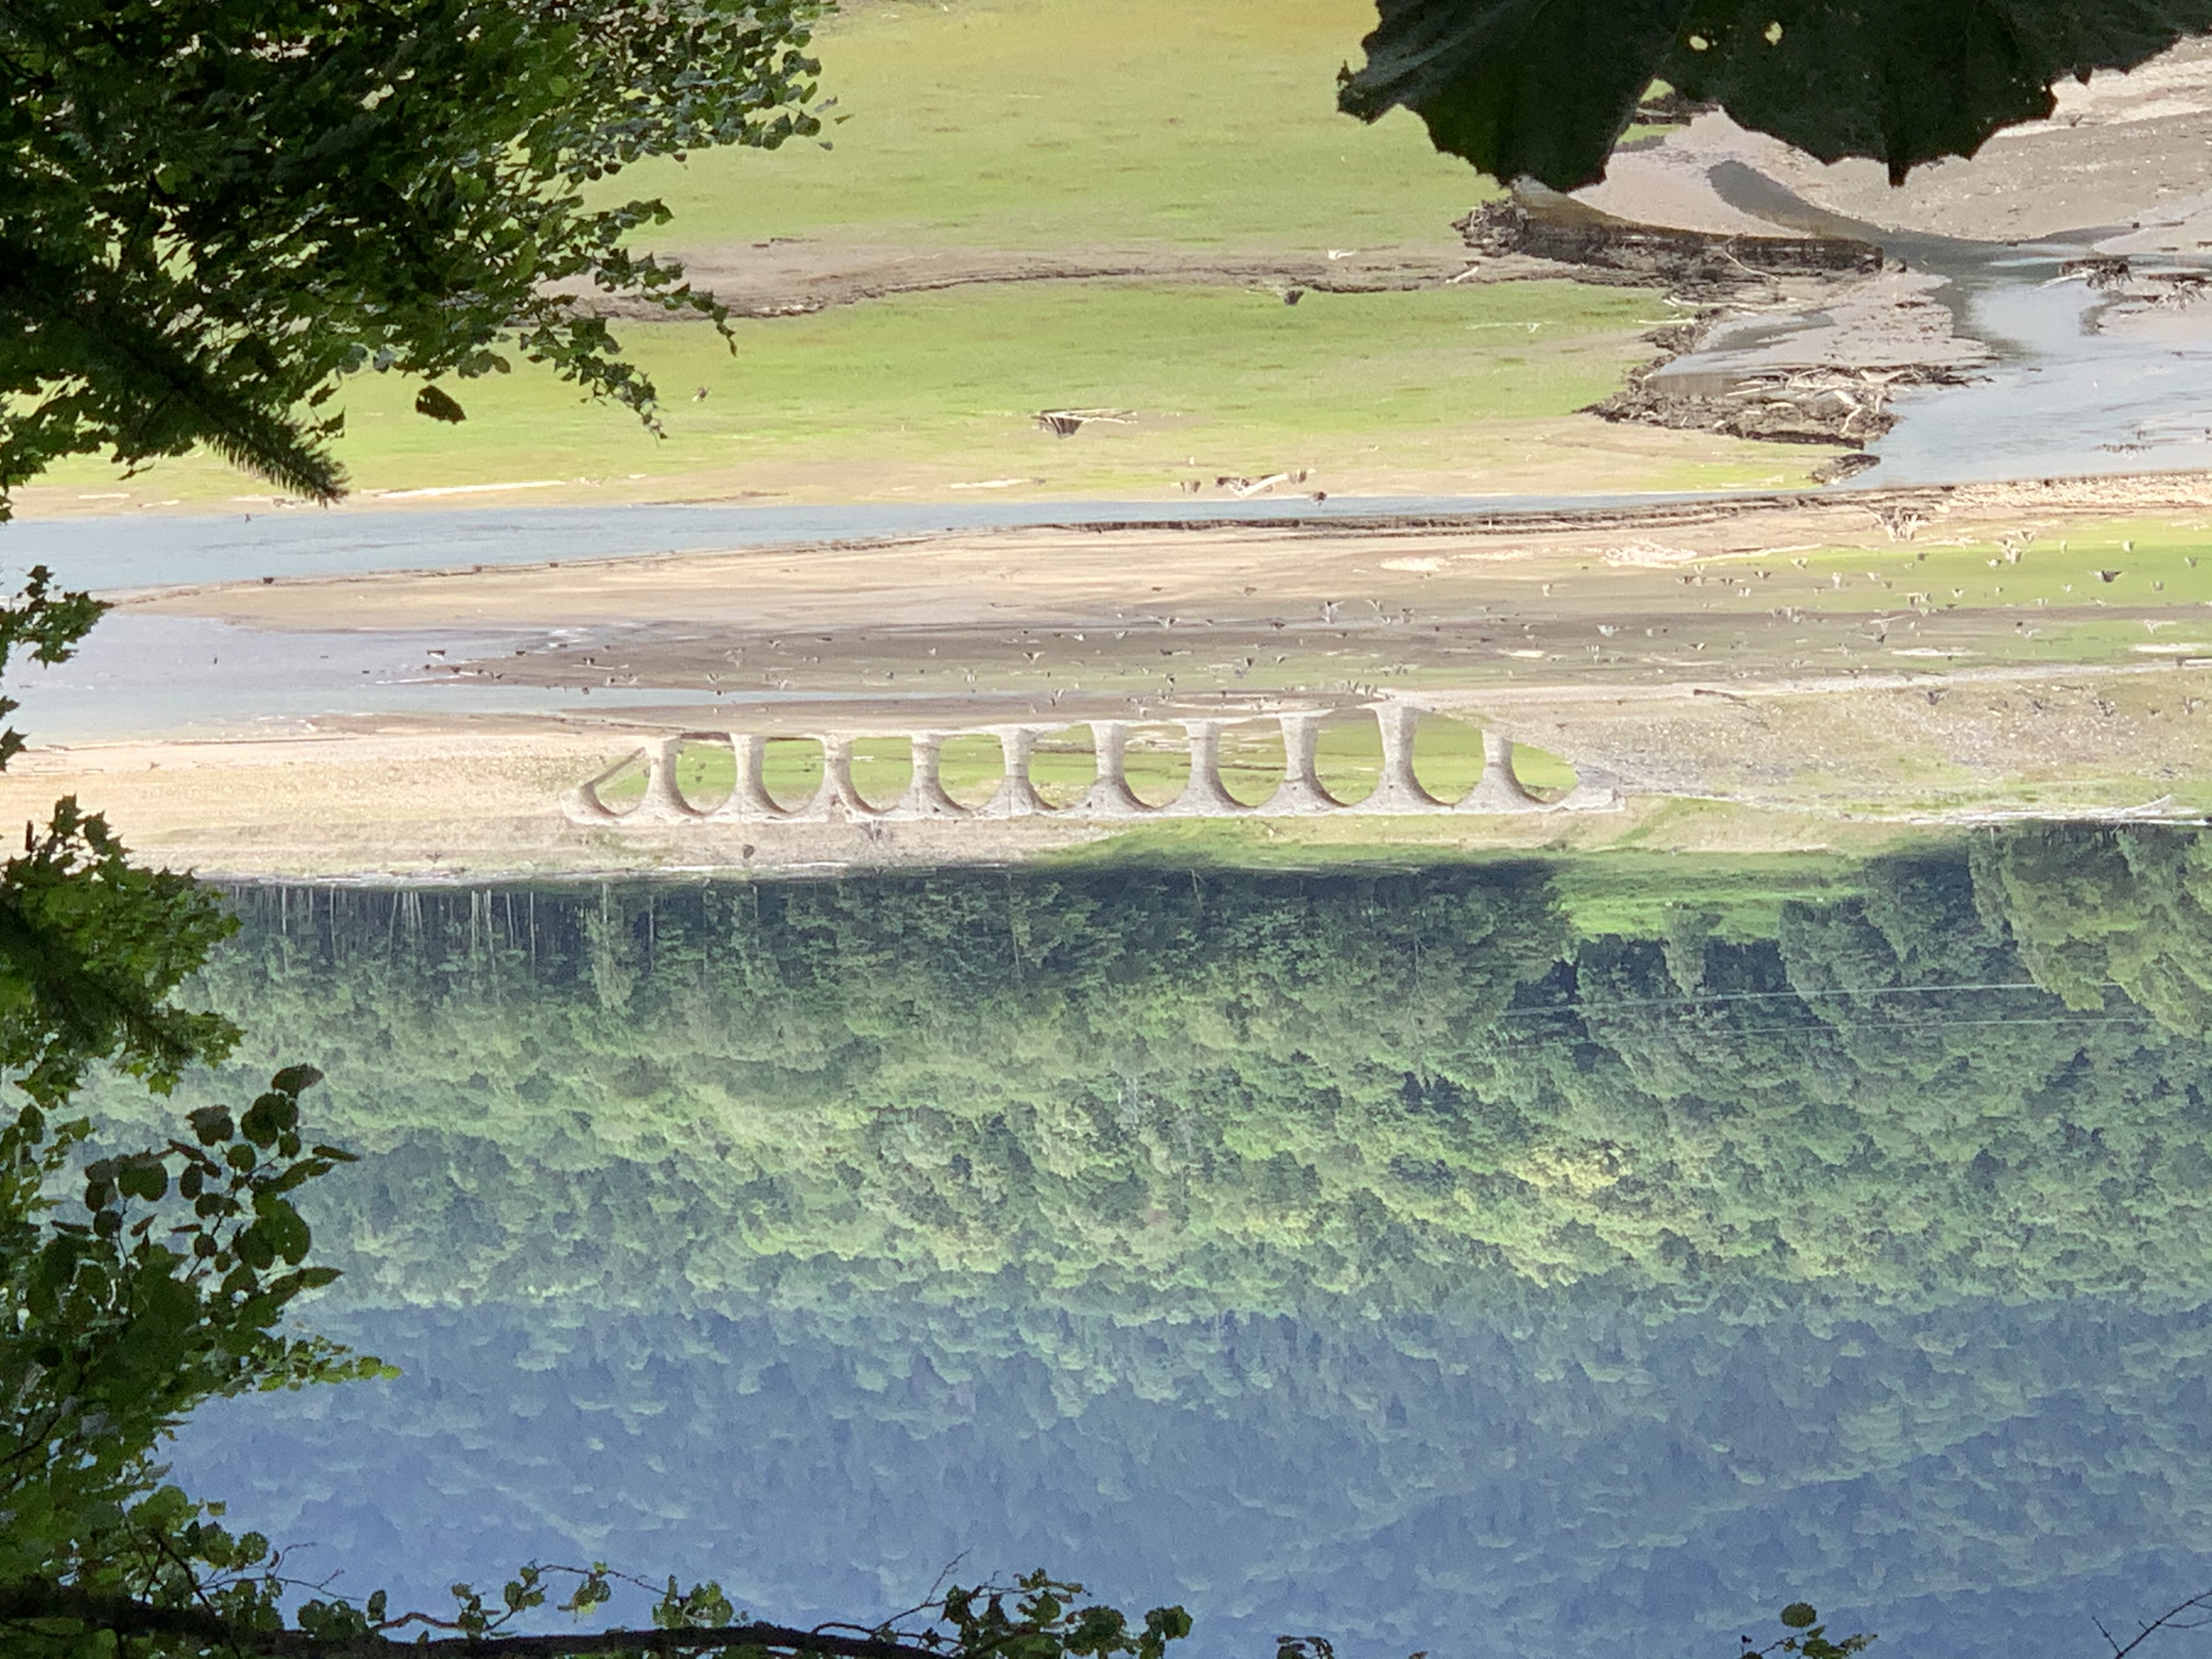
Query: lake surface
point(1524, 1257)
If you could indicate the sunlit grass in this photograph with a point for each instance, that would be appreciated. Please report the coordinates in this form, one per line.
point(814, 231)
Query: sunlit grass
point(1060, 124)
point(1080, 123)
point(935, 395)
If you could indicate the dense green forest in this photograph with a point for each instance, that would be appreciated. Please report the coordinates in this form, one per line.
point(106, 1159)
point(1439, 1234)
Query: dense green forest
point(1161, 1092)
point(1372, 1252)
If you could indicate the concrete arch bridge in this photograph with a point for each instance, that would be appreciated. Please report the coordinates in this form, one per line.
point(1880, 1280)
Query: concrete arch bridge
point(1301, 793)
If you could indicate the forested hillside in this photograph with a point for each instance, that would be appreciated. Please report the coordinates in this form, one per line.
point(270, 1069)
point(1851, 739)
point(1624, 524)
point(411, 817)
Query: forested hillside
point(1373, 1254)
point(1237, 1093)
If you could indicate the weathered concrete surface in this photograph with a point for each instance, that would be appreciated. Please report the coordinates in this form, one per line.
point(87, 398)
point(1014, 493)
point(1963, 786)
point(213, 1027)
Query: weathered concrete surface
point(1301, 793)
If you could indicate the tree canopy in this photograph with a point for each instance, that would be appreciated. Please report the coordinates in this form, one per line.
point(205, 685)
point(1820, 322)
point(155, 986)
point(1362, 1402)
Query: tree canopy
point(1544, 88)
point(211, 209)
point(1234, 1093)
point(1374, 1221)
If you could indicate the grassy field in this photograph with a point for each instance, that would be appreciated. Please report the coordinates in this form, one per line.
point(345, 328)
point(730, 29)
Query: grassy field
point(1058, 125)
point(935, 396)
point(1742, 863)
point(2016, 598)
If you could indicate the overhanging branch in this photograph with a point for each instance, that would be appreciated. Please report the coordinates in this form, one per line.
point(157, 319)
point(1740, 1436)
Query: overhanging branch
point(124, 1617)
point(774, 1637)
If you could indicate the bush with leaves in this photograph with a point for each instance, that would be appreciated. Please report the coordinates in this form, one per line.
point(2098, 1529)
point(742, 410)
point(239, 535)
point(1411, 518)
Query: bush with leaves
point(160, 1289)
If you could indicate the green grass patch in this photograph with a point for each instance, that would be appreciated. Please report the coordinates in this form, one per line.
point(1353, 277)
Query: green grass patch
point(1735, 897)
point(1061, 124)
point(2135, 562)
point(936, 395)
point(947, 386)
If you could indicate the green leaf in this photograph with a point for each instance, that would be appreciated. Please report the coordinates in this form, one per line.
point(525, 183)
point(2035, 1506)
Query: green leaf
point(279, 1224)
point(1545, 88)
point(255, 1247)
point(144, 1178)
point(439, 406)
point(1541, 88)
point(1800, 1615)
point(269, 1117)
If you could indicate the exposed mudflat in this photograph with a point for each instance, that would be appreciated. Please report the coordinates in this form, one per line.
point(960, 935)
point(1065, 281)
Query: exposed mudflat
point(1831, 665)
point(792, 277)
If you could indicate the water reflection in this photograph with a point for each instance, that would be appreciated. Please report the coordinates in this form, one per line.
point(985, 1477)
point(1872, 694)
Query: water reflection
point(1472, 1259)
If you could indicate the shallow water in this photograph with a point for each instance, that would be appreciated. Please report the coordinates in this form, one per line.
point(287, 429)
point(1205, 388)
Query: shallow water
point(122, 554)
point(1545, 1256)
point(2064, 398)
point(138, 676)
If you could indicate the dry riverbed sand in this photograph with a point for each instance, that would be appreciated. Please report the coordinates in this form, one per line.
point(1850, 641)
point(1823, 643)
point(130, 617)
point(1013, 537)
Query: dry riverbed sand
point(1793, 671)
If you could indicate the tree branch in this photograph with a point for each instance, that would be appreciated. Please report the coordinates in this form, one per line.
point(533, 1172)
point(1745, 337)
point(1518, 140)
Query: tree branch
point(669, 1642)
point(123, 1616)
point(103, 1610)
point(2170, 1619)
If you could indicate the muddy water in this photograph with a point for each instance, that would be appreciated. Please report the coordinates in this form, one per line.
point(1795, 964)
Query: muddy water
point(2071, 392)
point(2084, 379)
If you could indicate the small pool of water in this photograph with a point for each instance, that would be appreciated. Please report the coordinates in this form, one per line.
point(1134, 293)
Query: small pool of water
point(2063, 398)
point(141, 676)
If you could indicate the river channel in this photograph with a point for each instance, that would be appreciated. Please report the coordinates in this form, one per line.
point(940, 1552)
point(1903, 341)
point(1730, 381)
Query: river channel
point(1540, 1255)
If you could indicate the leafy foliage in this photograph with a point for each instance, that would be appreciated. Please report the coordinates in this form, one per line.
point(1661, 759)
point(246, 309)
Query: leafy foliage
point(46, 623)
point(1545, 87)
point(2096, 912)
point(211, 209)
point(1809, 1636)
point(965, 1623)
point(165, 1292)
point(91, 947)
point(1047, 1620)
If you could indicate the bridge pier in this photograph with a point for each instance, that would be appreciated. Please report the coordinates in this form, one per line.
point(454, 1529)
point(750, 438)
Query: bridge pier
point(1109, 795)
point(925, 796)
point(1499, 789)
point(1396, 789)
point(749, 801)
point(1204, 795)
point(839, 792)
point(1017, 796)
point(1301, 790)
point(664, 802)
